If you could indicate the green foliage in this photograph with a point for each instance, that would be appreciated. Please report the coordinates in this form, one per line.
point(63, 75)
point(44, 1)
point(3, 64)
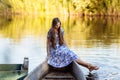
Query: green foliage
point(106, 7)
point(102, 7)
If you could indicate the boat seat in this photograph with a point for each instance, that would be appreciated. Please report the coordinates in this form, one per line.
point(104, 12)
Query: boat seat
point(58, 76)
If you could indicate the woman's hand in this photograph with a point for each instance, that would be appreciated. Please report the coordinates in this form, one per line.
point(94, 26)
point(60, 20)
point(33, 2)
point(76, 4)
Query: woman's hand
point(92, 67)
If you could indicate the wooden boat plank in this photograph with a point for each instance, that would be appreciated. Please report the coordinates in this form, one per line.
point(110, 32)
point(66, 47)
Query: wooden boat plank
point(77, 72)
point(38, 72)
point(59, 77)
point(59, 73)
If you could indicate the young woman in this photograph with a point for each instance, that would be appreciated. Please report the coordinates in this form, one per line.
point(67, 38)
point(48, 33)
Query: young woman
point(58, 54)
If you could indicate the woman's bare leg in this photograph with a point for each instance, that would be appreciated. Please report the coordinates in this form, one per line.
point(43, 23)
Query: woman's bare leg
point(87, 65)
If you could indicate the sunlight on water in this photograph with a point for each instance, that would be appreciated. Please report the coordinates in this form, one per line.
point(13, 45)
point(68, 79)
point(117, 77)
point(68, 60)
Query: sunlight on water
point(95, 40)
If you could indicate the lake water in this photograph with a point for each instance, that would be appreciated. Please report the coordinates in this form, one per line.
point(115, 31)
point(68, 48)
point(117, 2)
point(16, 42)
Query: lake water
point(93, 39)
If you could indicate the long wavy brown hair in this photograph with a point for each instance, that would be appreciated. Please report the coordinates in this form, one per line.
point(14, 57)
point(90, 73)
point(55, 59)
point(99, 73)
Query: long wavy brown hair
point(52, 32)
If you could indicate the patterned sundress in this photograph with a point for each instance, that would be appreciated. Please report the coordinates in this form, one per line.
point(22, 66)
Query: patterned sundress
point(62, 55)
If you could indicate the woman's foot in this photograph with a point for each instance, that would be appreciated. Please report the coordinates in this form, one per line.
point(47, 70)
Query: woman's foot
point(92, 67)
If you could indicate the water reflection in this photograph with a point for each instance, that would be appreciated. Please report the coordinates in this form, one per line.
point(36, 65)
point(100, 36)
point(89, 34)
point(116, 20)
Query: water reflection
point(94, 39)
point(91, 30)
point(104, 30)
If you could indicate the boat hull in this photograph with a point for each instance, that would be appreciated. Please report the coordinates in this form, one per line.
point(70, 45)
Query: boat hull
point(47, 72)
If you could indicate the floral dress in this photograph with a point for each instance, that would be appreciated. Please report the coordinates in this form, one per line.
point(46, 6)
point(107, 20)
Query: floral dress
point(62, 55)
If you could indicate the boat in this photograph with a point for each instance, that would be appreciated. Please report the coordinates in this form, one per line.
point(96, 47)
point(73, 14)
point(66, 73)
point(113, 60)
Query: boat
point(13, 71)
point(47, 72)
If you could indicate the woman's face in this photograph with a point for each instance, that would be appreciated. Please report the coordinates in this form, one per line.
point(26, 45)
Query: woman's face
point(57, 25)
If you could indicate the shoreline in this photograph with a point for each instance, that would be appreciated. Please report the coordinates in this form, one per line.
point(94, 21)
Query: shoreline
point(10, 13)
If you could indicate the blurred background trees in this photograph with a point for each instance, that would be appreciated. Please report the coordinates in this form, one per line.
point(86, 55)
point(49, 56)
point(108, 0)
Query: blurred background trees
point(41, 7)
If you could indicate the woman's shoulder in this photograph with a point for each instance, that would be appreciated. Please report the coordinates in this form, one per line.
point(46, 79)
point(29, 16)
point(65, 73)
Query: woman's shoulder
point(62, 30)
